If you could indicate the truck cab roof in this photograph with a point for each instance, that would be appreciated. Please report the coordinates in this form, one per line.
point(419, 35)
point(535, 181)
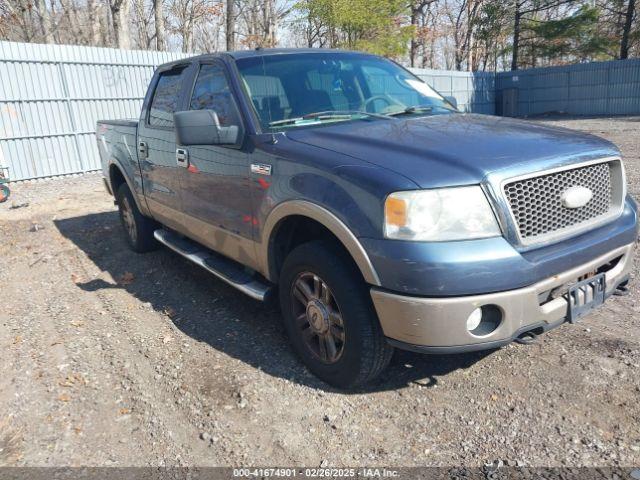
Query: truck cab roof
point(259, 52)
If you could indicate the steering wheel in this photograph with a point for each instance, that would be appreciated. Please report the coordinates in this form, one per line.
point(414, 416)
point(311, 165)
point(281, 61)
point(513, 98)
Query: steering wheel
point(385, 98)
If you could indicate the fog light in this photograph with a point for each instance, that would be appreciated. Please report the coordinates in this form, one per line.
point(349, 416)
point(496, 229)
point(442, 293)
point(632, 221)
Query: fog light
point(474, 319)
point(484, 320)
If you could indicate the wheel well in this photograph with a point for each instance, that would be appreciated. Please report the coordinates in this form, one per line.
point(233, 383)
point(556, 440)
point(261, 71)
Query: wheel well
point(293, 231)
point(116, 178)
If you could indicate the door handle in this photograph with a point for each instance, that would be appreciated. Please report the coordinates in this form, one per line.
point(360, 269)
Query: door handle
point(182, 157)
point(143, 151)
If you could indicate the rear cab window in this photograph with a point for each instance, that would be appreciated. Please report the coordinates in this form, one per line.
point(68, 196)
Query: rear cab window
point(166, 97)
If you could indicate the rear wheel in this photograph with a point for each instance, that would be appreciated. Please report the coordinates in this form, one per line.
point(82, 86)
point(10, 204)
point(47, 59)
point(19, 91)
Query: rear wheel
point(138, 228)
point(329, 316)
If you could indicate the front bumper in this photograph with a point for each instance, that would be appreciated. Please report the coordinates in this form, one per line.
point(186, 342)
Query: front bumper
point(438, 325)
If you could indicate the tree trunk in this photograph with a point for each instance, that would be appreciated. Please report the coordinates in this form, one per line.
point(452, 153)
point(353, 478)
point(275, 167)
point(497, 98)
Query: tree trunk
point(158, 12)
point(469, 39)
point(273, 24)
point(95, 15)
point(26, 24)
point(230, 34)
point(120, 11)
point(516, 37)
point(269, 23)
point(624, 43)
point(413, 49)
point(45, 25)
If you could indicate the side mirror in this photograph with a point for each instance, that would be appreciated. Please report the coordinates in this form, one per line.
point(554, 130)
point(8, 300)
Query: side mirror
point(202, 127)
point(452, 101)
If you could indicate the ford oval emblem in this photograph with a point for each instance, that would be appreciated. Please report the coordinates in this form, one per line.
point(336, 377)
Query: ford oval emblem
point(576, 197)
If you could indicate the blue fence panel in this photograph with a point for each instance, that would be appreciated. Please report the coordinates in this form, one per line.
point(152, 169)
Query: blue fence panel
point(597, 88)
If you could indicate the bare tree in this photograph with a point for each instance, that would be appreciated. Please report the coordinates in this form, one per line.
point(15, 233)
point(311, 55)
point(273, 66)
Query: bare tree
point(158, 11)
point(96, 14)
point(230, 18)
point(626, 30)
point(417, 8)
point(143, 23)
point(45, 25)
point(120, 13)
point(191, 17)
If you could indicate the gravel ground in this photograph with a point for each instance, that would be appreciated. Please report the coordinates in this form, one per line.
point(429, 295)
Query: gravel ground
point(109, 358)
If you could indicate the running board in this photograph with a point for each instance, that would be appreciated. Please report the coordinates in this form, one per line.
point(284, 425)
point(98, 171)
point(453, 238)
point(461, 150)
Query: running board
point(222, 267)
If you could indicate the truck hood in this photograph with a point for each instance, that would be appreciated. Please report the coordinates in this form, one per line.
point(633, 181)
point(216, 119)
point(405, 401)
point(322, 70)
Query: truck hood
point(456, 149)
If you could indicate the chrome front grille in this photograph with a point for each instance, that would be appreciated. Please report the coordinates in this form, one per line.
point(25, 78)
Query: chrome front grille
point(537, 207)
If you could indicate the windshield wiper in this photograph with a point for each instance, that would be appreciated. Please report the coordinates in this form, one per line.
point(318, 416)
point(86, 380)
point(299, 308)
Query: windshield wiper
point(420, 109)
point(326, 115)
point(412, 109)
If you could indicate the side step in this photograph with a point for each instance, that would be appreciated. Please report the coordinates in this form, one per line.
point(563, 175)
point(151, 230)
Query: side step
point(222, 267)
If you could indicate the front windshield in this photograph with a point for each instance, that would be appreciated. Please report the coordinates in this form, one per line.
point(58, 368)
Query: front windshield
point(293, 90)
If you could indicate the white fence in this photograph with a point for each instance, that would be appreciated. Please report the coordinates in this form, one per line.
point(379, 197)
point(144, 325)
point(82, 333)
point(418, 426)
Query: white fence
point(52, 95)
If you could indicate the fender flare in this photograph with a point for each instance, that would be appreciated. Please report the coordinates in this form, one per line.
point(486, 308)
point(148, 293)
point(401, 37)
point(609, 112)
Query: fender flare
point(325, 218)
point(113, 162)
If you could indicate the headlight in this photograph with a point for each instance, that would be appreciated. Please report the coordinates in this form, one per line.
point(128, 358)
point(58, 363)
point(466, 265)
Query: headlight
point(458, 213)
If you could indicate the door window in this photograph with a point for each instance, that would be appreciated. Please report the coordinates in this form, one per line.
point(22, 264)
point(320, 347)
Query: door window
point(166, 97)
point(212, 92)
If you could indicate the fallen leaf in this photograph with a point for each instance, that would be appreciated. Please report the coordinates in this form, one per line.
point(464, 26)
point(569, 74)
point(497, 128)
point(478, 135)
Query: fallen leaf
point(64, 397)
point(124, 411)
point(71, 380)
point(77, 323)
point(126, 278)
point(78, 430)
point(17, 339)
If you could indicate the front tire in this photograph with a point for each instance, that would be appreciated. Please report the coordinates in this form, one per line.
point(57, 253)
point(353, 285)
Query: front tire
point(138, 229)
point(329, 316)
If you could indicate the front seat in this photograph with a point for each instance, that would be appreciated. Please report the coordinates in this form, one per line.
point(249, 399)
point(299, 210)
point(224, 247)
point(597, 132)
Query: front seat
point(310, 102)
point(271, 109)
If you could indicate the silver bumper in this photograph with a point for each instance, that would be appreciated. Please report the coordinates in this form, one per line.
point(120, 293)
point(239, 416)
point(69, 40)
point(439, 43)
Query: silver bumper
point(439, 324)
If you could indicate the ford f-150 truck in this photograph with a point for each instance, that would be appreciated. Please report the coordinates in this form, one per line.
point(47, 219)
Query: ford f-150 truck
point(377, 214)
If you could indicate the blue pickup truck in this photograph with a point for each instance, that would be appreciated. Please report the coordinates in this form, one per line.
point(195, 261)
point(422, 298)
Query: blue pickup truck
point(343, 186)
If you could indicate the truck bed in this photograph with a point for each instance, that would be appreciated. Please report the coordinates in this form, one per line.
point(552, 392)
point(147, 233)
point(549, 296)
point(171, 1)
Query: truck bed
point(117, 144)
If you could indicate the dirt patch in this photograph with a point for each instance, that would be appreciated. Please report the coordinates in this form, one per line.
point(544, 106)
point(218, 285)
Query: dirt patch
point(112, 358)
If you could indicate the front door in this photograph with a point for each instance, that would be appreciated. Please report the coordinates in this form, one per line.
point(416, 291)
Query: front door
point(215, 181)
point(157, 147)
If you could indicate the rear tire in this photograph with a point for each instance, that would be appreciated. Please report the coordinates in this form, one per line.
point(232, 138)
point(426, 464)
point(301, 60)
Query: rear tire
point(138, 229)
point(329, 316)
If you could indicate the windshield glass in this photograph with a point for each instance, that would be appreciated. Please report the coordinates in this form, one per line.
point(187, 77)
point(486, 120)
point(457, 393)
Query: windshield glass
point(293, 90)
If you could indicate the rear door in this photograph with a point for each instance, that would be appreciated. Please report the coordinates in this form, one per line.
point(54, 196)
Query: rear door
point(216, 200)
point(157, 144)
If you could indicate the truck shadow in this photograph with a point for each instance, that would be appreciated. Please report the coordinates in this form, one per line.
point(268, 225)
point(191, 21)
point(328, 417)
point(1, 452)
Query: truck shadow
point(210, 311)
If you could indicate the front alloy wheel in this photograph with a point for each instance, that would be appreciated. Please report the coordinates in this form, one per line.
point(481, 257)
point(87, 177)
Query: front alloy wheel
point(329, 317)
point(318, 317)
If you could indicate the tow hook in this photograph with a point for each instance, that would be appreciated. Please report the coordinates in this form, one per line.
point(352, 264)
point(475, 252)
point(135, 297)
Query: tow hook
point(527, 338)
point(622, 290)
